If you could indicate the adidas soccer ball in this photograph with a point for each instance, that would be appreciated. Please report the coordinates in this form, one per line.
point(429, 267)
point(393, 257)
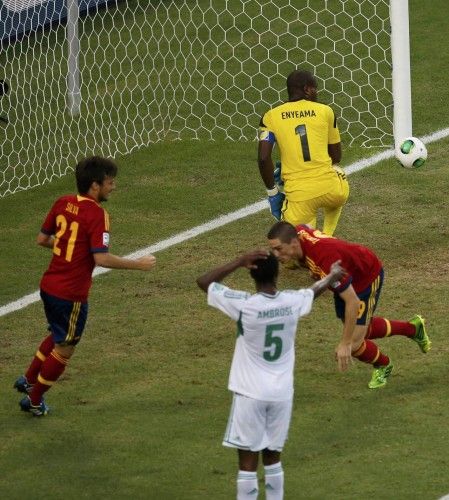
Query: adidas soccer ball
point(411, 153)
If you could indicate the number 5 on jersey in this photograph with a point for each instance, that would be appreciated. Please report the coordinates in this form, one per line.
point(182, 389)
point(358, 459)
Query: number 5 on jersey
point(273, 343)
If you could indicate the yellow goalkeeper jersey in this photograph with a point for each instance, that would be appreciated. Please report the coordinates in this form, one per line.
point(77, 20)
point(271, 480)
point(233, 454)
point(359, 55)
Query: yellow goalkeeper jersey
point(303, 129)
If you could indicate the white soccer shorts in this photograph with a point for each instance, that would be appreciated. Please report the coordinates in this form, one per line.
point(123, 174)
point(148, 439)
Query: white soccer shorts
point(255, 425)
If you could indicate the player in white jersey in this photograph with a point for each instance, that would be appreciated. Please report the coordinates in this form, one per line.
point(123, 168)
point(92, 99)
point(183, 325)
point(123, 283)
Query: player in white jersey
point(261, 376)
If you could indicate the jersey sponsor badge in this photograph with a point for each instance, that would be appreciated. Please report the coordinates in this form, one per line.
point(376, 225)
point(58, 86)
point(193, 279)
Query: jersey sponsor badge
point(106, 239)
point(233, 294)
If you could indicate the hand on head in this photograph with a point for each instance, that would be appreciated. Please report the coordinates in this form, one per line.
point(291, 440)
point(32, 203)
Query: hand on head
point(247, 260)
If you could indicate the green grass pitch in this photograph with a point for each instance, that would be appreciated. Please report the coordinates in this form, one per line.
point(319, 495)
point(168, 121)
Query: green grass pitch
point(141, 409)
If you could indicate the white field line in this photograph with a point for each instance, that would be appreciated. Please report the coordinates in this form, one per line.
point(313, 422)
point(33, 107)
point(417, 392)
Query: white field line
point(218, 222)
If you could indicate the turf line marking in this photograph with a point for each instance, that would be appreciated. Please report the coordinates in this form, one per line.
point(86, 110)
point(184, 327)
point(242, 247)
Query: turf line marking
point(222, 220)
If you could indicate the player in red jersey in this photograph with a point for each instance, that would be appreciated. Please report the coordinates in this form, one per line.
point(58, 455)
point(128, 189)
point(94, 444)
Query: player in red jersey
point(77, 231)
point(355, 296)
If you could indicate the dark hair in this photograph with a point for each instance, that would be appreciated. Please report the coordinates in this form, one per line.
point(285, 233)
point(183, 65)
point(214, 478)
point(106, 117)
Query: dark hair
point(267, 270)
point(283, 231)
point(299, 79)
point(93, 169)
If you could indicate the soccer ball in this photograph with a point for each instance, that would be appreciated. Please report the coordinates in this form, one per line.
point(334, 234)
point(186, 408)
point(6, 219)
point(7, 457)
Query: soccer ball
point(411, 153)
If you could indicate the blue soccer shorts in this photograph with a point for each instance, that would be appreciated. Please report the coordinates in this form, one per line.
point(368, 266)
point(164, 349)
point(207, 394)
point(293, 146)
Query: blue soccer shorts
point(368, 301)
point(66, 319)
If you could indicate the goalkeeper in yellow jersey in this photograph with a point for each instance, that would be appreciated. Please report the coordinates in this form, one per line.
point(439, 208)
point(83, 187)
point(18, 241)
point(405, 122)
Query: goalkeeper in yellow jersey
point(308, 138)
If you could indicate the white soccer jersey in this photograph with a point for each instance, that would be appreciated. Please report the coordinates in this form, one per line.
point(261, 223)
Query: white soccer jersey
point(264, 355)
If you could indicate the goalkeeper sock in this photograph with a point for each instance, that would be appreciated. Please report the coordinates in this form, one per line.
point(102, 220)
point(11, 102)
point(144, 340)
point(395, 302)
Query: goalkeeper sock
point(247, 486)
point(41, 355)
point(51, 370)
point(369, 353)
point(274, 482)
point(382, 327)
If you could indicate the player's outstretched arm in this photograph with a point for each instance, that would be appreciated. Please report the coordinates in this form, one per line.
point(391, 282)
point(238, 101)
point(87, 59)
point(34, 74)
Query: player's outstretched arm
point(112, 261)
point(219, 273)
point(343, 352)
point(335, 274)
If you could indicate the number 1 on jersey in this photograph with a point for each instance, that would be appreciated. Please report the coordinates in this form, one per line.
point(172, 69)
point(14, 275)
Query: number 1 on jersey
point(301, 130)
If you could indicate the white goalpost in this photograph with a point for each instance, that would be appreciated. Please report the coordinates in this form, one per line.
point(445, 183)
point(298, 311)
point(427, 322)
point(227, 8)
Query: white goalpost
point(73, 46)
point(112, 76)
point(401, 79)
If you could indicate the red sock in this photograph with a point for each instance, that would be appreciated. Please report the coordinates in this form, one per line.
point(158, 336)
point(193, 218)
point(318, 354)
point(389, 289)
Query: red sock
point(41, 354)
point(382, 327)
point(369, 353)
point(51, 370)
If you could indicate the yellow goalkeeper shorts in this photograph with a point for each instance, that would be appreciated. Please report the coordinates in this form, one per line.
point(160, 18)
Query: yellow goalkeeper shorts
point(304, 212)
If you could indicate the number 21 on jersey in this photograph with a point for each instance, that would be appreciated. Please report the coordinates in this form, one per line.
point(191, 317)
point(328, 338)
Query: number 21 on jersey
point(61, 223)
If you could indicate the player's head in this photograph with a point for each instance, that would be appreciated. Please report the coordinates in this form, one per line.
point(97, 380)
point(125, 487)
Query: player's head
point(302, 85)
point(95, 176)
point(267, 270)
point(284, 243)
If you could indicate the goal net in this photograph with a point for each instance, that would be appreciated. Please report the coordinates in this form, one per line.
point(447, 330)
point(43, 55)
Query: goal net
point(163, 70)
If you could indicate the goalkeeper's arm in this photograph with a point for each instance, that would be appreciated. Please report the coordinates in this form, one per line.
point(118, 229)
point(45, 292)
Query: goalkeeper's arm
point(266, 169)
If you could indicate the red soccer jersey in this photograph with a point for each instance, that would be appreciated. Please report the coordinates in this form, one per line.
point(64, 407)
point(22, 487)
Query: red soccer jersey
point(81, 228)
point(321, 251)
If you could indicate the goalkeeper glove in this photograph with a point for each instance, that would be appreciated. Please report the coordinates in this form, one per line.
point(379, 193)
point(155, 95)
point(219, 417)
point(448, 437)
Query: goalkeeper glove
point(275, 199)
point(277, 176)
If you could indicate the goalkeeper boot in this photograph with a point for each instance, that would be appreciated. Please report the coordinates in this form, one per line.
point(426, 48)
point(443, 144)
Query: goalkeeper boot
point(36, 410)
point(22, 385)
point(277, 177)
point(380, 375)
point(421, 337)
